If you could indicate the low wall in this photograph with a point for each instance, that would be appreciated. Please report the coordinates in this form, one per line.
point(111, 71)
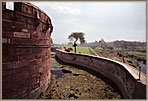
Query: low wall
point(119, 73)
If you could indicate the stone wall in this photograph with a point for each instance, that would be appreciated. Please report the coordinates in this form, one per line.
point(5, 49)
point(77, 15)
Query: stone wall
point(120, 74)
point(26, 35)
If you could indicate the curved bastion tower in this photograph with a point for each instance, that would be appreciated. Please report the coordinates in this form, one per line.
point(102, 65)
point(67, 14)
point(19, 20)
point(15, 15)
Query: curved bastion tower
point(26, 32)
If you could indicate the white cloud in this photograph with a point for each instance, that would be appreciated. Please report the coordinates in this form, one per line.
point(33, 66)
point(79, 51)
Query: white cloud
point(107, 20)
point(66, 9)
point(62, 7)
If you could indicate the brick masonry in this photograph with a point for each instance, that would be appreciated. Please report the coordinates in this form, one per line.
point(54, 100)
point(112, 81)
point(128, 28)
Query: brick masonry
point(120, 74)
point(26, 35)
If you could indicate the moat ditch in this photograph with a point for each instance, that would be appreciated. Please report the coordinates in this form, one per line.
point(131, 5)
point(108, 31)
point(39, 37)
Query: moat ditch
point(68, 82)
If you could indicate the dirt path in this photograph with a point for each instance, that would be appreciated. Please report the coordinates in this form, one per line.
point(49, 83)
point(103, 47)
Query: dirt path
point(93, 52)
point(69, 82)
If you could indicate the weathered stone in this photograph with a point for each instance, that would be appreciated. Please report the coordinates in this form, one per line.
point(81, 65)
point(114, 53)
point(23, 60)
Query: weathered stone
point(123, 75)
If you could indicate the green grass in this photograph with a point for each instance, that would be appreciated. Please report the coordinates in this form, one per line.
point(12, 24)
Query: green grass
point(131, 62)
point(130, 57)
point(138, 55)
point(84, 50)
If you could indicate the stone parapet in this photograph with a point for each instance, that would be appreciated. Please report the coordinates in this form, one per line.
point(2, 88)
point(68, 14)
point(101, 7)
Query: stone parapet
point(123, 76)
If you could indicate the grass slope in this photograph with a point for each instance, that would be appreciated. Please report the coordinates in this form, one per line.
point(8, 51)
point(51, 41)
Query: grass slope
point(84, 50)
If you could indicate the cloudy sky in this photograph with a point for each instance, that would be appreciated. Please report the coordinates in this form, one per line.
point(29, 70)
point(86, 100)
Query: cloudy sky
point(108, 20)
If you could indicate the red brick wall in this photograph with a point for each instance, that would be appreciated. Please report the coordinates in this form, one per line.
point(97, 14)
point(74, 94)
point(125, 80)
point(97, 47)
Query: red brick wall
point(25, 51)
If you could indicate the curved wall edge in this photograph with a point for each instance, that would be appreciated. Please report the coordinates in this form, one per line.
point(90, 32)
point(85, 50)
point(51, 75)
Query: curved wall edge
point(119, 73)
point(26, 32)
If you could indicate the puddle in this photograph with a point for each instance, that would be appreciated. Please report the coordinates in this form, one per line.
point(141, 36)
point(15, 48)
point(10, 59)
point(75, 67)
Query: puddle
point(58, 73)
point(76, 74)
point(143, 66)
point(66, 71)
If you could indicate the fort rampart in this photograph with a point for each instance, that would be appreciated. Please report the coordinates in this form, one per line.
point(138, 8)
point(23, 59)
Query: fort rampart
point(123, 76)
point(26, 32)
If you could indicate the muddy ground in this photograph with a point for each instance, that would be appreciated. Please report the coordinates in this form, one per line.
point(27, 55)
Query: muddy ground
point(69, 82)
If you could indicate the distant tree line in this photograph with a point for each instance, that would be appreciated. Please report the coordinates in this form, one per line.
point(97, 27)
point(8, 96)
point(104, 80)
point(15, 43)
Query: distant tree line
point(129, 45)
point(107, 47)
point(123, 45)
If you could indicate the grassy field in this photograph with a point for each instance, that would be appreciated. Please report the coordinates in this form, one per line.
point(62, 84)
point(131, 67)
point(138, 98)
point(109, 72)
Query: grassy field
point(141, 55)
point(130, 57)
point(84, 50)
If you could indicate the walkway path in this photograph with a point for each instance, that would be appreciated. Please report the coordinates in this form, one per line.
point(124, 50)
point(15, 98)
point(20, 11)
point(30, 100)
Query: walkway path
point(69, 82)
